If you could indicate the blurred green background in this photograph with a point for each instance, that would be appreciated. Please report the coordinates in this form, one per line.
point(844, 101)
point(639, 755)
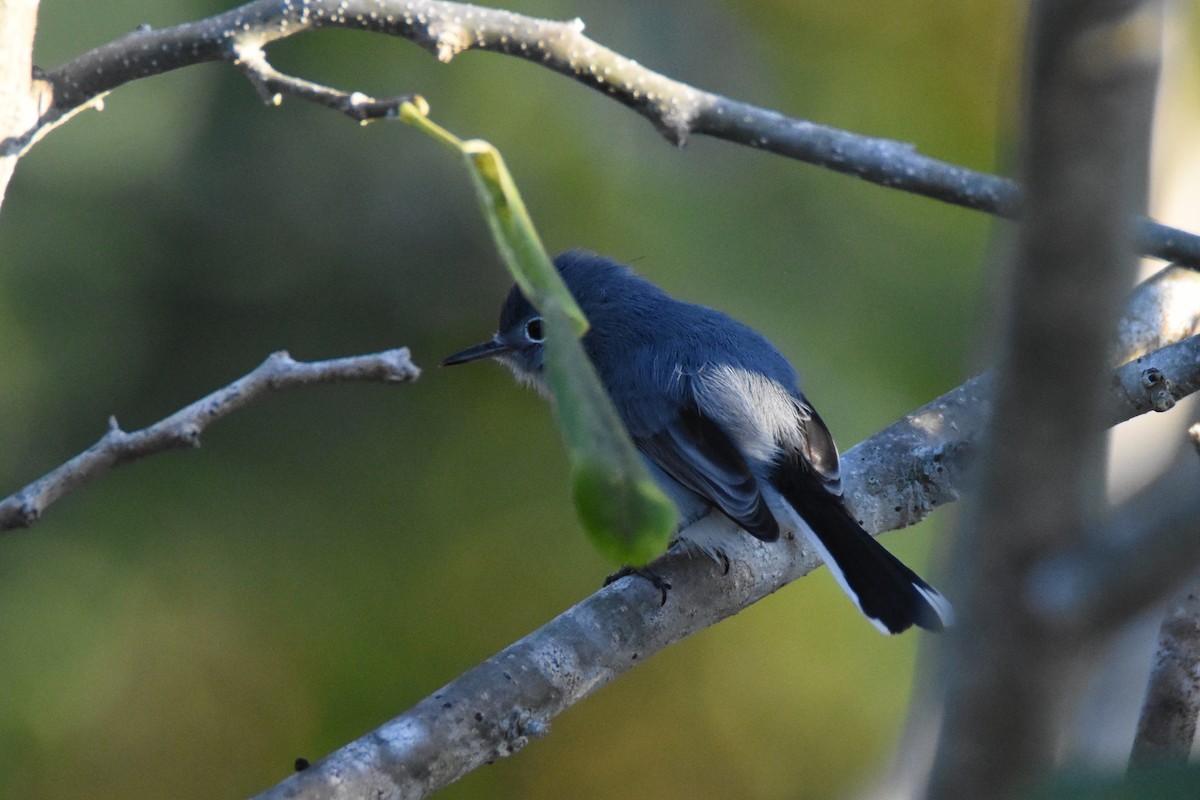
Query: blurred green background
point(191, 624)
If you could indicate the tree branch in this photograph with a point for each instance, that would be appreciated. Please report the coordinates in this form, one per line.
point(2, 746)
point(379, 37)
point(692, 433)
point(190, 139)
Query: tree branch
point(1147, 549)
point(1155, 382)
point(676, 109)
point(1164, 308)
point(493, 710)
point(272, 85)
point(280, 372)
point(1167, 725)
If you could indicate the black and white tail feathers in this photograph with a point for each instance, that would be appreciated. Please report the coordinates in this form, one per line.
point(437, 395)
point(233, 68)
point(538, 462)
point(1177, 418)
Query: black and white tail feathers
point(802, 492)
point(889, 594)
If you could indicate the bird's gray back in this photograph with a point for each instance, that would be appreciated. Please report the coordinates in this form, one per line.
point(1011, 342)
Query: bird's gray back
point(642, 337)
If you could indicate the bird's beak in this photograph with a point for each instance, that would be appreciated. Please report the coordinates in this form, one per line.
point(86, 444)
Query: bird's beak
point(491, 347)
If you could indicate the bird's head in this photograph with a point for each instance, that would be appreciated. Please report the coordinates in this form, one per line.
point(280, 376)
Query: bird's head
point(615, 300)
point(517, 342)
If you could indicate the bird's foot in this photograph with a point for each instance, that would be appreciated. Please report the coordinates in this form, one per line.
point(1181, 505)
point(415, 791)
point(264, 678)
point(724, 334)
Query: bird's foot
point(656, 580)
point(688, 549)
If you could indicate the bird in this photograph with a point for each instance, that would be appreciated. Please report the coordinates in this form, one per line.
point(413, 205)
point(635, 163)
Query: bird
point(716, 412)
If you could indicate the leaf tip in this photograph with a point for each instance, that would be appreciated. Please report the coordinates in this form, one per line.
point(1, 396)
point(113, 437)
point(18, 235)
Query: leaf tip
point(629, 521)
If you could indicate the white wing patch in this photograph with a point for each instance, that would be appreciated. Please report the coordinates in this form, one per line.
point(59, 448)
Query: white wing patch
point(754, 410)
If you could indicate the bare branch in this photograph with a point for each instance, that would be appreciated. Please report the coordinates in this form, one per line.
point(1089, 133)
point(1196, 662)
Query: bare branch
point(1164, 308)
point(272, 85)
point(280, 372)
point(1155, 382)
point(676, 109)
point(1143, 554)
point(1167, 726)
point(491, 711)
point(1149, 547)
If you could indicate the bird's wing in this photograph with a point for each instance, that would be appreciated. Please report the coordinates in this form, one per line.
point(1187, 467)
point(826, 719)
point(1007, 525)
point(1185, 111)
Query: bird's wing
point(768, 419)
point(816, 446)
point(693, 449)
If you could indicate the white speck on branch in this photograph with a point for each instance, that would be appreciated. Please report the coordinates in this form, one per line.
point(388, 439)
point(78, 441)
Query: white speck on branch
point(280, 372)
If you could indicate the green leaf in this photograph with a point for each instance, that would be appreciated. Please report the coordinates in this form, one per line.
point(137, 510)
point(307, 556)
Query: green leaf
point(621, 507)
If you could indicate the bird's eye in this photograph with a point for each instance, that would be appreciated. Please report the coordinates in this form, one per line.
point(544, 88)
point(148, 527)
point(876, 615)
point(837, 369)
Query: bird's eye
point(533, 330)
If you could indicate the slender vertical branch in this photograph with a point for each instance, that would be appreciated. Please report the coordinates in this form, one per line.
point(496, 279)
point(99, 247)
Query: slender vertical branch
point(1167, 725)
point(1090, 77)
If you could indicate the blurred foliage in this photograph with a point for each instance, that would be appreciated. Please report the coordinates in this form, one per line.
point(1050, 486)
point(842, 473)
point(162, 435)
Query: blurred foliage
point(1145, 783)
point(190, 625)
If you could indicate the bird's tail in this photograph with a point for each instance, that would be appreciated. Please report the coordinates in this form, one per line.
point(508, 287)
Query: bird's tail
point(891, 595)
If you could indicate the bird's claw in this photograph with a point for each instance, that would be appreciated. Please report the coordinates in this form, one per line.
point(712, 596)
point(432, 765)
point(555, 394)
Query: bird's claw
point(656, 580)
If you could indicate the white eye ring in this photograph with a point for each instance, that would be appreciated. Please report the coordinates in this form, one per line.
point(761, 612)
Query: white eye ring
point(533, 330)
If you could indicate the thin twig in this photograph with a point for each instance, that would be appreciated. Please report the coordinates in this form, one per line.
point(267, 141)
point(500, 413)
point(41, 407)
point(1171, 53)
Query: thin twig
point(272, 85)
point(676, 109)
point(1158, 380)
point(280, 372)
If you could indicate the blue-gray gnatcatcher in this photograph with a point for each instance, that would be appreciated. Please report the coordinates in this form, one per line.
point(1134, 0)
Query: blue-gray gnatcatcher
point(716, 412)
